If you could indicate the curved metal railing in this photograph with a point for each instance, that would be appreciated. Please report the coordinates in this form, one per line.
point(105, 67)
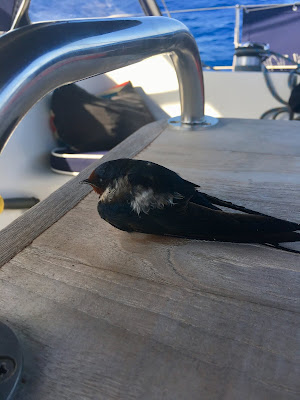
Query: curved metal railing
point(39, 58)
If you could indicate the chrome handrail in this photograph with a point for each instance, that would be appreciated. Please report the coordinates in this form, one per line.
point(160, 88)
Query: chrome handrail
point(41, 57)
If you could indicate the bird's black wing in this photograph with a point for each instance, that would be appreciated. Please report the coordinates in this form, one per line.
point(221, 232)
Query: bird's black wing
point(198, 222)
point(159, 179)
point(202, 199)
point(234, 227)
point(163, 180)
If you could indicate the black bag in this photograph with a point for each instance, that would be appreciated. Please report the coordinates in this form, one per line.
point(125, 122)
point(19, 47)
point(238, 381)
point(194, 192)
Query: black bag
point(85, 122)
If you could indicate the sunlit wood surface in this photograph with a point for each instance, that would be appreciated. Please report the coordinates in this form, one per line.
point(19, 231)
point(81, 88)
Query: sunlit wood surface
point(103, 314)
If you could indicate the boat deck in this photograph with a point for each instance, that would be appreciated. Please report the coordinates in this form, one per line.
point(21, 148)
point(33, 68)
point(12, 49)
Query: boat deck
point(103, 314)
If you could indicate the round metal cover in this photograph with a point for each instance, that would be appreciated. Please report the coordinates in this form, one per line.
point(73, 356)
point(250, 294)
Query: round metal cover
point(10, 362)
point(206, 122)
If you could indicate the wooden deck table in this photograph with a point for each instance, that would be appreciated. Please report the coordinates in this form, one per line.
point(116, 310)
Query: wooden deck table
point(103, 314)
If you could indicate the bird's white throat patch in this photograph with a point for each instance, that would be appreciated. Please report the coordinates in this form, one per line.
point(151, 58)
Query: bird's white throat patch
point(117, 189)
point(145, 199)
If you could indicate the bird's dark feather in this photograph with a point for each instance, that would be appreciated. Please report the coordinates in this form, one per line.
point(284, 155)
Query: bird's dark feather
point(198, 222)
point(199, 196)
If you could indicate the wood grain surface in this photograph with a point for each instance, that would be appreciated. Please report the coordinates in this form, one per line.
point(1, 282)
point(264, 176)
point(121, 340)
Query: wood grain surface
point(103, 314)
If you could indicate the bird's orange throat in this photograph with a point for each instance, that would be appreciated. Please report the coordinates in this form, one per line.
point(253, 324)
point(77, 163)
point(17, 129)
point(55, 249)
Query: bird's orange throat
point(97, 190)
point(93, 178)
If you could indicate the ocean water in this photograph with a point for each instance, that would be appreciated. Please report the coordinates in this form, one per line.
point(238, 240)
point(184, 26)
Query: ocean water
point(213, 30)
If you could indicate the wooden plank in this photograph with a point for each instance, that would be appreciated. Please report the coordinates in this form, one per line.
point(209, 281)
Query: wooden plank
point(23, 230)
point(119, 318)
point(110, 315)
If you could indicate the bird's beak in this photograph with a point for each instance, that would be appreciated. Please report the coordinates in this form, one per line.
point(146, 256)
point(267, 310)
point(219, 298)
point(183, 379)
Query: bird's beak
point(86, 181)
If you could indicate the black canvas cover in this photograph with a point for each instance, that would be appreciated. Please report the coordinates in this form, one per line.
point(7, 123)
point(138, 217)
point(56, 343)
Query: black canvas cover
point(85, 122)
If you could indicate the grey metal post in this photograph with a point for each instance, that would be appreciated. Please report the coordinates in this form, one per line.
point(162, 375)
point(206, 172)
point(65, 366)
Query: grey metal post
point(236, 40)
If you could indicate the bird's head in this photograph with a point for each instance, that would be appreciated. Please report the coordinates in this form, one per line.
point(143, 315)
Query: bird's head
point(106, 174)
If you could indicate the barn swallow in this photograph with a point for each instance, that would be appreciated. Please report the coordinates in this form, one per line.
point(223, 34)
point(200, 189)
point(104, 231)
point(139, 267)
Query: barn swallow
point(142, 196)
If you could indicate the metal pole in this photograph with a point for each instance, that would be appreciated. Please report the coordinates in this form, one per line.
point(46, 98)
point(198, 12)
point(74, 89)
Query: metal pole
point(237, 26)
point(44, 56)
point(21, 11)
point(150, 8)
